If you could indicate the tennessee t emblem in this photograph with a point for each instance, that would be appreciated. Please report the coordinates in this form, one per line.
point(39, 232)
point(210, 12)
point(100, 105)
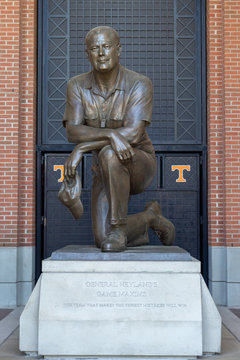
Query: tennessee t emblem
point(180, 169)
point(61, 168)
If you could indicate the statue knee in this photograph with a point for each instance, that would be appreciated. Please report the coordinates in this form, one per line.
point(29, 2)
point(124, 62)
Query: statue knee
point(107, 156)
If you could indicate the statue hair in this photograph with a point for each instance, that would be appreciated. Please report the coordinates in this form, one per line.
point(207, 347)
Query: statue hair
point(99, 29)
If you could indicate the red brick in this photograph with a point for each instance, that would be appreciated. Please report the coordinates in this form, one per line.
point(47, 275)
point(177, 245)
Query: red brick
point(17, 97)
point(223, 40)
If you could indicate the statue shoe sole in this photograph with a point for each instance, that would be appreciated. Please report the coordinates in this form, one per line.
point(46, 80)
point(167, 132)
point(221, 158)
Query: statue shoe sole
point(113, 247)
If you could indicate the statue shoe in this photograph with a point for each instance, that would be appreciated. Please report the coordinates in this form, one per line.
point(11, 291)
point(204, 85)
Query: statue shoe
point(115, 242)
point(163, 227)
point(139, 241)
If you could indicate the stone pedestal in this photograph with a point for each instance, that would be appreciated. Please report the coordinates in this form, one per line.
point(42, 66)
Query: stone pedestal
point(146, 302)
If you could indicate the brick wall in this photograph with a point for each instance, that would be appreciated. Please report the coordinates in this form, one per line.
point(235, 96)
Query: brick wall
point(223, 57)
point(18, 25)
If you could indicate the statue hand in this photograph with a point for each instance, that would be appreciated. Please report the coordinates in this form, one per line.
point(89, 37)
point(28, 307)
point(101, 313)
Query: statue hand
point(121, 146)
point(72, 163)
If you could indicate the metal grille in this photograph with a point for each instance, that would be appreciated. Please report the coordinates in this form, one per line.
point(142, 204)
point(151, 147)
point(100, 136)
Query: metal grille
point(56, 70)
point(187, 83)
point(160, 39)
point(179, 204)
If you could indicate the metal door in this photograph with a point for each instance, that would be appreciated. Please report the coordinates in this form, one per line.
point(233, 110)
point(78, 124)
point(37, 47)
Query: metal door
point(163, 39)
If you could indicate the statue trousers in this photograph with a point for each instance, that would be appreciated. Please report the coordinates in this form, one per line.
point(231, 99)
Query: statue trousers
point(113, 183)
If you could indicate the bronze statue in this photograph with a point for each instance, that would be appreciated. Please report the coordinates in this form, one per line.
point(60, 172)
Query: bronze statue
point(107, 112)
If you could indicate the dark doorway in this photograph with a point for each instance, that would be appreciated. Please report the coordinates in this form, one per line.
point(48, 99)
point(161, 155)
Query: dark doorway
point(163, 40)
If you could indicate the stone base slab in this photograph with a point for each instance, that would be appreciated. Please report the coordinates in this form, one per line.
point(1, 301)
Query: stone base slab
point(116, 358)
point(120, 309)
point(224, 275)
point(16, 275)
point(143, 253)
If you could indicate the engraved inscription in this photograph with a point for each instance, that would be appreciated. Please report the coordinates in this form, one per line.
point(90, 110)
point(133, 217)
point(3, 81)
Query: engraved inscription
point(122, 305)
point(122, 295)
point(128, 284)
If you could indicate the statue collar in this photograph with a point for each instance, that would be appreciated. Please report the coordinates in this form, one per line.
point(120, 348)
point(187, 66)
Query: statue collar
point(90, 82)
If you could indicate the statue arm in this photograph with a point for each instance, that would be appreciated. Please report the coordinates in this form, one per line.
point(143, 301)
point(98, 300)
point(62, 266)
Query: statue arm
point(83, 133)
point(76, 155)
point(79, 133)
point(138, 112)
point(132, 133)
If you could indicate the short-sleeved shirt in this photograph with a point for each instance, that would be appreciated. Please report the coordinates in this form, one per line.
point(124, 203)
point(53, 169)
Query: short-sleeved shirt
point(130, 99)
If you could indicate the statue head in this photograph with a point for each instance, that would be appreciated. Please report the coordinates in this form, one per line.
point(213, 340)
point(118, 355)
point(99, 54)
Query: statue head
point(103, 48)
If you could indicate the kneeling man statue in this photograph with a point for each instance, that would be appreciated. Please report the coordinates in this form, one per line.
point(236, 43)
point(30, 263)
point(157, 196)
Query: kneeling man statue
point(107, 111)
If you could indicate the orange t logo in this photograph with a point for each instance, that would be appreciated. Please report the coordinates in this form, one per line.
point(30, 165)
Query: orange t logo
point(61, 168)
point(180, 169)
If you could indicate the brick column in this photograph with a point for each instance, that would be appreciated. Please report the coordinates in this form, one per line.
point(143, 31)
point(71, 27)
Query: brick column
point(223, 57)
point(18, 27)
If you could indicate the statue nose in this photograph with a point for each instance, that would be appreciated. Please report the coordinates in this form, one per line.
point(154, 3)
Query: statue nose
point(101, 51)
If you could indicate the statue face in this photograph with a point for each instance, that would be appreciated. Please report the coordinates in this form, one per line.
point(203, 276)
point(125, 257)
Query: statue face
point(103, 51)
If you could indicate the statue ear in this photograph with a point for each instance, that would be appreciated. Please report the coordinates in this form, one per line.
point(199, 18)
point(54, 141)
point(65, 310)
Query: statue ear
point(119, 49)
point(86, 52)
